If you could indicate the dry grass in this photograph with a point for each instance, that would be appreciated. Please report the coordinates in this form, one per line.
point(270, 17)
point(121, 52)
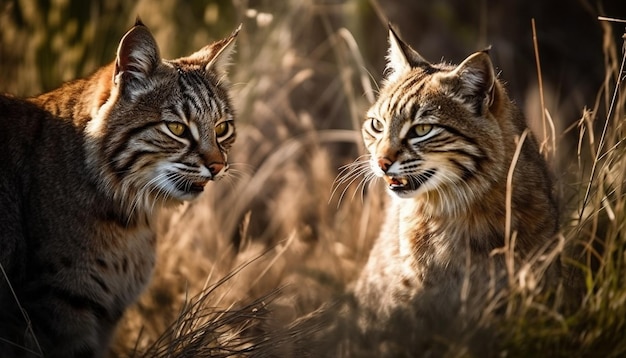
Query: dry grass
point(270, 244)
point(276, 216)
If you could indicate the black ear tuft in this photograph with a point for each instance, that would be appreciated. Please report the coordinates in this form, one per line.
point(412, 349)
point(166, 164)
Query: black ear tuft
point(138, 21)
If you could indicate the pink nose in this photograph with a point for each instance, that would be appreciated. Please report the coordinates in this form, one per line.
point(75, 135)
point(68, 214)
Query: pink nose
point(384, 163)
point(216, 168)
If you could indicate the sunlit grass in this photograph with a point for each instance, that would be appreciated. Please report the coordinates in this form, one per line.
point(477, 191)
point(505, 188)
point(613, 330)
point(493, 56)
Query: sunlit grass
point(261, 249)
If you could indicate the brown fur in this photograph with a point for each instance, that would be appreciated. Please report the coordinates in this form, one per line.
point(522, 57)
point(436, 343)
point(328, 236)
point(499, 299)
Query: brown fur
point(439, 254)
point(82, 174)
point(443, 139)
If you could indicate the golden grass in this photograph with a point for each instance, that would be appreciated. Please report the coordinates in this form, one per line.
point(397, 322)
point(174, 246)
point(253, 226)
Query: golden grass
point(270, 244)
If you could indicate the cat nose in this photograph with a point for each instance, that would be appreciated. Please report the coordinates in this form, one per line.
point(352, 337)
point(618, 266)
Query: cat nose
point(214, 161)
point(215, 168)
point(384, 163)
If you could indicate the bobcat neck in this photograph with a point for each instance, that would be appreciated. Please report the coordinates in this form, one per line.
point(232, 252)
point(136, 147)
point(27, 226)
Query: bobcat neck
point(81, 103)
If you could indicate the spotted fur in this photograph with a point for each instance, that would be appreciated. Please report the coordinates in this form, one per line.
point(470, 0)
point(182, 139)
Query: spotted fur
point(83, 170)
point(443, 138)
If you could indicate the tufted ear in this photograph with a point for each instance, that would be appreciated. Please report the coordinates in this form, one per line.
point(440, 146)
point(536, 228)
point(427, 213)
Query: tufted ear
point(223, 51)
point(216, 56)
point(474, 80)
point(401, 57)
point(137, 57)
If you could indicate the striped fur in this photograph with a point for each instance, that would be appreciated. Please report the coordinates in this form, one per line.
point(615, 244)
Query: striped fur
point(443, 138)
point(83, 170)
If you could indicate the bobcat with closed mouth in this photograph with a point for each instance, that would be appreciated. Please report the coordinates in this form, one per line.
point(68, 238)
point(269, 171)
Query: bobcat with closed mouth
point(83, 172)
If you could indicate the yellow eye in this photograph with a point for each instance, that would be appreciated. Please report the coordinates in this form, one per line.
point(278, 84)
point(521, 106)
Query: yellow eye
point(178, 129)
point(377, 125)
point(422, 129)
point(221, 129)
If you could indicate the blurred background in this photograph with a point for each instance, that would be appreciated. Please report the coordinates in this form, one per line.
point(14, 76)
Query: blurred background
point(46, 42)
point(304, 73)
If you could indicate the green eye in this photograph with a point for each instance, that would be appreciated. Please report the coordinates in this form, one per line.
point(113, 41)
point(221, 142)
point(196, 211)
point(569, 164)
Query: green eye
point(178, 129)
point(377, 125)
point(422, 129)
point(221, 129)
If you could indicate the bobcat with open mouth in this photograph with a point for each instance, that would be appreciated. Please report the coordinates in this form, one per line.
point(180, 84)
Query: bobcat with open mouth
point(443, 138)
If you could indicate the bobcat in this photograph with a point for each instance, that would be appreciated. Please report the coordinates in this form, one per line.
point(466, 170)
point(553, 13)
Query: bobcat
point(83, 172)
point(443, 138)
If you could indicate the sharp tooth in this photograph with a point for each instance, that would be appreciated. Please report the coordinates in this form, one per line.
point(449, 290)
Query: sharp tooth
point(404, 181)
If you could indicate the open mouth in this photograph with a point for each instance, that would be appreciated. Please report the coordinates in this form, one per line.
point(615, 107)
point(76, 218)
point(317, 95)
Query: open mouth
point(404, 183)
point(190, 187)
point(197, 186)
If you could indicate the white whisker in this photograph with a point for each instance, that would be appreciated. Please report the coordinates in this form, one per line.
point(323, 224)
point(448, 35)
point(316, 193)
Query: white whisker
point(143, 193)
point(348, 175)
point(368, 179)
point(242, 168)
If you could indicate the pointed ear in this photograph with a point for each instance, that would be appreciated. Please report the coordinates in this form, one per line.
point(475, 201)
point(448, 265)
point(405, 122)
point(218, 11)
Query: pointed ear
point(474, 80)
point(216, 56)
point(137, 57)
point(401, 57)
point(223, 52)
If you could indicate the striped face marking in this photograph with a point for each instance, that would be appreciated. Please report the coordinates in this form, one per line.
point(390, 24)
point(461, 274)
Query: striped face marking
point(173, 150)
point(193, 128)
point(405, 129)
point(417, 140)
